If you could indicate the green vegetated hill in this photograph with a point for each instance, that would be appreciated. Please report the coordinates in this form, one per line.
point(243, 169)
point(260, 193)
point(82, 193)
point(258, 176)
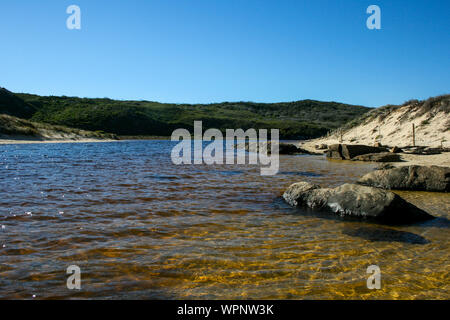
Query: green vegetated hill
point(13, 105)
point(300, 119)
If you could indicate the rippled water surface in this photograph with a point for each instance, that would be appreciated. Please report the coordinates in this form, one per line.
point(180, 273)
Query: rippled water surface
point(140, 227)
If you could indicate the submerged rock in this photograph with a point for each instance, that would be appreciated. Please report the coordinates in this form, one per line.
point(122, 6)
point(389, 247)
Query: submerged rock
point(378, 157)
point(355, 201)
point(414, 178)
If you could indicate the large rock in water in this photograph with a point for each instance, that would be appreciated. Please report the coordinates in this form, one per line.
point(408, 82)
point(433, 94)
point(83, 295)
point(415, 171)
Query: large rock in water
point(415, 178)
point(355, 201)
point(349, 151)
point(335, 152)
point(378, 157)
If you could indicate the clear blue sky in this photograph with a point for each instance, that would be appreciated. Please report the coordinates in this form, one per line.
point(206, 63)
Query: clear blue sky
point(200, 51)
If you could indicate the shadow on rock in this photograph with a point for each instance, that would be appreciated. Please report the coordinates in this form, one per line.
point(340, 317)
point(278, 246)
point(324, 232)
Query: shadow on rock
point(384, 234)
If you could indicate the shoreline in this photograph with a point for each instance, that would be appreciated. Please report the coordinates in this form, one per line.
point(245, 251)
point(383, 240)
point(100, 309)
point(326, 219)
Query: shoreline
point(27, 140)
point(22, 141)
point(442, 160)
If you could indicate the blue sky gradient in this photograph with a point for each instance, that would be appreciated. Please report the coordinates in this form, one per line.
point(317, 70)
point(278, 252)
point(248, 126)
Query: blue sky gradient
point(202, 51)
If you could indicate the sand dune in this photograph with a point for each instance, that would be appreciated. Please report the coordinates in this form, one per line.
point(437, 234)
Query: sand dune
point(393, 126)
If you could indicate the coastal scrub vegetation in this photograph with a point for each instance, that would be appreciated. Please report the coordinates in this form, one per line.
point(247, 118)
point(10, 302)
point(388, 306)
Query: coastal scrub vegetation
point(295, 120)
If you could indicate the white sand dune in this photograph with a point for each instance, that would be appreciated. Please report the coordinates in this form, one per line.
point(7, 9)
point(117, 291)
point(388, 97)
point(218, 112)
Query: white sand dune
point(393, 126)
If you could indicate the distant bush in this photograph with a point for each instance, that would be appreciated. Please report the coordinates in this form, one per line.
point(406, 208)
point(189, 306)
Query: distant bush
point(295, 120)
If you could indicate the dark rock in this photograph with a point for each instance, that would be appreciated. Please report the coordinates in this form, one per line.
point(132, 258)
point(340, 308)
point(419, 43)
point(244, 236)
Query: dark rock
point(321, 146)
point(355, 201)
point(334, 155)
point(422, 150)
point(304, 151)
point(384, 166)
point(415, 178)
point(428, 151)
point(349, 151)
point(283, 148)
point(334, 152)
point(289, 148)
point(378, 157)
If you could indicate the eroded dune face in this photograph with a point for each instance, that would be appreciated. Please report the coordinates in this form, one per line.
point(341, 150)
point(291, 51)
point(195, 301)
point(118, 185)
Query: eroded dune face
point(392, 125)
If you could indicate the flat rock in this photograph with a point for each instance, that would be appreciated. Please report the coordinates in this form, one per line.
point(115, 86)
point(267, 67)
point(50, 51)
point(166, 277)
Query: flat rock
point(355, 201)
point(384, 166)
point(422, 150)
point(378, 157)
point(349, 151)
point(414, 178)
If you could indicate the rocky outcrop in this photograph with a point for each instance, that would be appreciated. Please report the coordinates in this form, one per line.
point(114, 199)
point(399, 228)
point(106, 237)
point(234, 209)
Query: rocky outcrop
point(355, 201)
point(349, 151)
point(384, 166)
point(378, 157)
point(415, 178)
point(283, 148)
point(423, 150)
point(287, 148)
point(335, 152)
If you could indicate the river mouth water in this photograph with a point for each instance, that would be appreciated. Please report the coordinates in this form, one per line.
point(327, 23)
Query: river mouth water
point(140, 227)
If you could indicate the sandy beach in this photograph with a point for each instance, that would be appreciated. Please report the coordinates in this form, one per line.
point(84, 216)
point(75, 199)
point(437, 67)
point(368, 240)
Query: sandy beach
point(28, 141)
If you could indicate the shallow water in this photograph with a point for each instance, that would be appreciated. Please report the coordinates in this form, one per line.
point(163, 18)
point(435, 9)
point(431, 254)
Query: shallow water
point(140, 227)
